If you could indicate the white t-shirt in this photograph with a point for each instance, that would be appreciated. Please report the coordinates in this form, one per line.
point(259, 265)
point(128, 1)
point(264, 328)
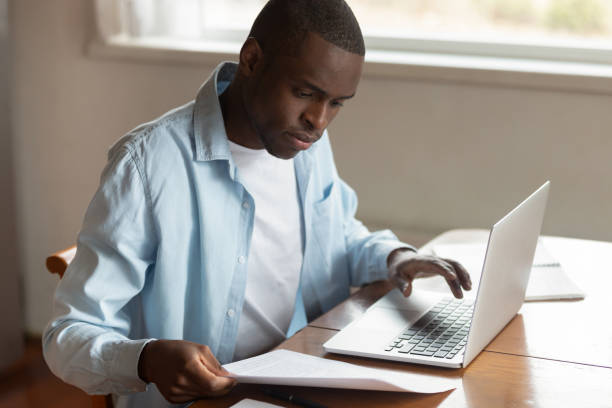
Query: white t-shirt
point(275, 256)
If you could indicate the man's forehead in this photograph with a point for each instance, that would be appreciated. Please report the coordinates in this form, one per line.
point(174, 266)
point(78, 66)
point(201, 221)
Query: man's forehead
point(323, 64)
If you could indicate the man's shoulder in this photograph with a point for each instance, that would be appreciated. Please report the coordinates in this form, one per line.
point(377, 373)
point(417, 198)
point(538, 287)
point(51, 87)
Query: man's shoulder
point(171, 131)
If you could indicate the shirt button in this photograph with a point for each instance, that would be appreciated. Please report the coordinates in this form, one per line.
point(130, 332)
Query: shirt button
point(230, 312)
point(241, 259)
point(245, 204)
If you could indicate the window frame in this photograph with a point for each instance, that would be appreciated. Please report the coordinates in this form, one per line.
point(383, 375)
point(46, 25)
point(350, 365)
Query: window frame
point(572, 66)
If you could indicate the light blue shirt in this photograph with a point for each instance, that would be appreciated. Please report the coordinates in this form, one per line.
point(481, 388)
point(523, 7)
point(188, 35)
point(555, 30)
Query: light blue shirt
point(163, 248)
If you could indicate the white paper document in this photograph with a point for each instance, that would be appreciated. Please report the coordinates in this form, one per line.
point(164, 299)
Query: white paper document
point(547, 281)
point(251, 403)
point(284, 367)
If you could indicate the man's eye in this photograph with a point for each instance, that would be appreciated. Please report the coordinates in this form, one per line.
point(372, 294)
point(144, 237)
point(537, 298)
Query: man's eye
point(303, 94)
point(337, 104)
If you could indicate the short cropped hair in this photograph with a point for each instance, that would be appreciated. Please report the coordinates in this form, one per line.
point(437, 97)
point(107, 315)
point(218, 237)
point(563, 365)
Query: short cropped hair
point(282, 25)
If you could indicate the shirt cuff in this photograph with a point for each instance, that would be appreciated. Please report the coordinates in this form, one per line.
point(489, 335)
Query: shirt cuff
point(384, 248)
point(124, 368)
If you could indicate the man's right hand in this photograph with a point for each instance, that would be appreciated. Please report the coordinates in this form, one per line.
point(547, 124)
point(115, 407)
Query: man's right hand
point(182, 370)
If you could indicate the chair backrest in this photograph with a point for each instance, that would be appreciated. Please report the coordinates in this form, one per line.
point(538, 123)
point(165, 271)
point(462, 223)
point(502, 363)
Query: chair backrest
point(57, 263)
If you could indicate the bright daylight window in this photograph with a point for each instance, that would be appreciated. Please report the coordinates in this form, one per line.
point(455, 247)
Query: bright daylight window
point(574, 30)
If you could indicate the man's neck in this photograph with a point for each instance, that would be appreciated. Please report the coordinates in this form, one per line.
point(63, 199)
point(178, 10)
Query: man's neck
point(235, 118)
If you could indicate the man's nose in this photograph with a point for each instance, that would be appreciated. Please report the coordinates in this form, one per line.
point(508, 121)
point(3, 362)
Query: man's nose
point(317, 116)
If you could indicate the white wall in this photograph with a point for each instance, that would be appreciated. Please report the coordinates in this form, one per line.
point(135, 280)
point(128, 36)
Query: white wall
point(422, 155)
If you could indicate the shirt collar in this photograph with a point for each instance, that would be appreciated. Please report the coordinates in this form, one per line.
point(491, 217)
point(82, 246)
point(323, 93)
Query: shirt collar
point(208, 127)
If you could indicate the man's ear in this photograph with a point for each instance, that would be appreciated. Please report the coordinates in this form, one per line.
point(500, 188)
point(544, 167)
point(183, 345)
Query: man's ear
point(251, 55)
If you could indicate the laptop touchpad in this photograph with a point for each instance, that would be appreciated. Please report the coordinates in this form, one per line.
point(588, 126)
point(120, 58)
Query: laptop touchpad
point(383, 319)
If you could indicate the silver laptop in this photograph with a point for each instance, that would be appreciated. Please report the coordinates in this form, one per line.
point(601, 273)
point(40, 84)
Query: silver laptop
point(436, 329)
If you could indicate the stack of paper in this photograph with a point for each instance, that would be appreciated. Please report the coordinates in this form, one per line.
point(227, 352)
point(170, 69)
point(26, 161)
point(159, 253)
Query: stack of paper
point(547, 281)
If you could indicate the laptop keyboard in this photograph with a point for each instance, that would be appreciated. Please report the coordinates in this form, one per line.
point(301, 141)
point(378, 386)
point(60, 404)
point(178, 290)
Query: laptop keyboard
point(441, 333)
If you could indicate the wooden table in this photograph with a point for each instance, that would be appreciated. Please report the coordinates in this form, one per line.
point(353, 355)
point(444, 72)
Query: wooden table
point(552, 354)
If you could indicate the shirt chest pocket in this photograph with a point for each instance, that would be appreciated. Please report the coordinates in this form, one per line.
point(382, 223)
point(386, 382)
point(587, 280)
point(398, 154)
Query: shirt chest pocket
point(328, 229)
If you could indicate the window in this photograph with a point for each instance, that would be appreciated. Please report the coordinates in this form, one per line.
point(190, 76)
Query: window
point(568, 30)
point(577, 30)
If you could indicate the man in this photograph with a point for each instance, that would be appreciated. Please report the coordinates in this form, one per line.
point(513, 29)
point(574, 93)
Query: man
point(223, 226)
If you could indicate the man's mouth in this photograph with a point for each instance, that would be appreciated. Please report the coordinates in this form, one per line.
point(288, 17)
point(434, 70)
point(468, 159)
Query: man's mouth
point(301, 141)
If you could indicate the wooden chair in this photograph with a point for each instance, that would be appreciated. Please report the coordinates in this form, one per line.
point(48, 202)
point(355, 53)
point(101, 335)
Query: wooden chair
point(57, 263)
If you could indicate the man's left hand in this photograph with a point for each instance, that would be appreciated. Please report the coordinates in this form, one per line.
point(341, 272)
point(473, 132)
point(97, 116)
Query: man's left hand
point(406, 265)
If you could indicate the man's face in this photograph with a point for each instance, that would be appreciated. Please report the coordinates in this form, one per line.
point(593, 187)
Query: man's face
point(290, 100)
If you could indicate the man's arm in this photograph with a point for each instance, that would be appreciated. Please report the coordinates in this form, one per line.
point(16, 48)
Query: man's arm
point(367, 251)
point(381, 255)
point(87, 343)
